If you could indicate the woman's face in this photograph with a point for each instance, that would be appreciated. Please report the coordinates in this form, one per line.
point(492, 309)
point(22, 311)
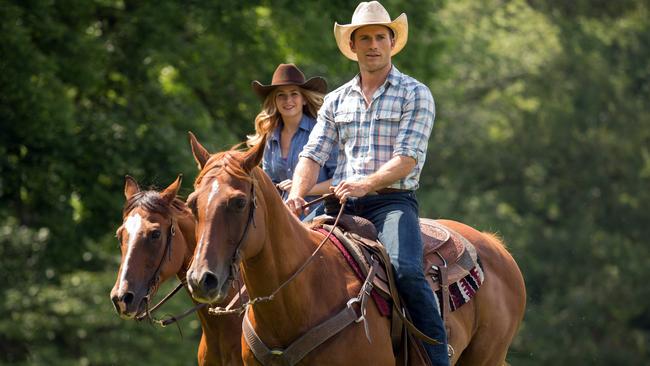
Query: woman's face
point(289, 101)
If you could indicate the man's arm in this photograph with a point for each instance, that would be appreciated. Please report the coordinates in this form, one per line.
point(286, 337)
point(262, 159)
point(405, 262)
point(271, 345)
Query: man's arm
point(304, 178)
point(393, 170)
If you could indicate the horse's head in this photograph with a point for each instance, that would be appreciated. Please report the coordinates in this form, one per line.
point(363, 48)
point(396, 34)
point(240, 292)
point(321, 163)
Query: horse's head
point(229, 228)
point(150, 254)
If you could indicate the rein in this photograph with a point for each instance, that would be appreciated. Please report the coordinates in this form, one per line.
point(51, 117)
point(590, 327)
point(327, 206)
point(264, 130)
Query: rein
point(313, 202)
point(242, 308)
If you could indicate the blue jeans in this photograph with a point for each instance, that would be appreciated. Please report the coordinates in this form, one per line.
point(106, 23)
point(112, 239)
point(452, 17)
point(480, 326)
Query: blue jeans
point(395, 216)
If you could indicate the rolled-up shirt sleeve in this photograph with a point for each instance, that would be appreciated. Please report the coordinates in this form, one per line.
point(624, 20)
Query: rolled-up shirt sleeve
point(416, 124)
point(324, 137)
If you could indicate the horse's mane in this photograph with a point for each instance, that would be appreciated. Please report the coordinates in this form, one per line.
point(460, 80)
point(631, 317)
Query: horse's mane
point(231, 160)
point(152, 201)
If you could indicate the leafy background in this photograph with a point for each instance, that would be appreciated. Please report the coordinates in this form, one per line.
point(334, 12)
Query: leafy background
point(542, 135)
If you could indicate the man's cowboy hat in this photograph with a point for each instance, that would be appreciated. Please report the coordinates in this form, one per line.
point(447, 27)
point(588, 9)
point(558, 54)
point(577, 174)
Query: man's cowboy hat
point(290, 74)
point(371, 13)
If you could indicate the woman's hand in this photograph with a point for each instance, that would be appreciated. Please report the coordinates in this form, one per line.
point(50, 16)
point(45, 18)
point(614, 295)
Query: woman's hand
point(295, 205)
point(285, 185)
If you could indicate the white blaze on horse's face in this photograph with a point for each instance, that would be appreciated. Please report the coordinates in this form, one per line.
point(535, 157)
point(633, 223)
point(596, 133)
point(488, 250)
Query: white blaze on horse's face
point(198, 249)
point(132, 225)
point(213, 192)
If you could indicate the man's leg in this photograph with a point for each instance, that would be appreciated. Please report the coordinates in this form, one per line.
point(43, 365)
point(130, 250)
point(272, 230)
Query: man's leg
point(396, 218)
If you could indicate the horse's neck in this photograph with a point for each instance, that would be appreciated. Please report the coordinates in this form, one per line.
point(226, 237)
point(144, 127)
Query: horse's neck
point(222, 337)
point(288, 245)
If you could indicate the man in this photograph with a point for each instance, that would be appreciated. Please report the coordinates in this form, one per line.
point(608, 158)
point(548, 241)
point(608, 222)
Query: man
point(381, 121)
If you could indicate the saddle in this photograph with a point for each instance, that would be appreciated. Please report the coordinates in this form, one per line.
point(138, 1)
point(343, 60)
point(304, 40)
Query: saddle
point(443, 249)
point(448, 259)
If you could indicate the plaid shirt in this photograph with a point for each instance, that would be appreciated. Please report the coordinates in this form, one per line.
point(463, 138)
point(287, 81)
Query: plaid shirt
point(398, 122)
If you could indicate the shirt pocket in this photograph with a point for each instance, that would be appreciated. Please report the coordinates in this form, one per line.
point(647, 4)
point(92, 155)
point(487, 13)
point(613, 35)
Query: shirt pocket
point(387, 125)
point(344, 122)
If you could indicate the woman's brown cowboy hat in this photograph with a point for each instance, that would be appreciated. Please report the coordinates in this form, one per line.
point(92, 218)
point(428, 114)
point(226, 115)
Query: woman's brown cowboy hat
point(290, 74)
point(371, 13)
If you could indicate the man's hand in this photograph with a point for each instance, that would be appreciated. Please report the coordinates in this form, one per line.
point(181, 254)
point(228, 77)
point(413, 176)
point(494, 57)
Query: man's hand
point(285, 185)
point(350, 189)
point(295, 205)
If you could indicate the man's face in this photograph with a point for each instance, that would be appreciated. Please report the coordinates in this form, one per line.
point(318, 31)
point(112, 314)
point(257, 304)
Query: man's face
point(373, 45)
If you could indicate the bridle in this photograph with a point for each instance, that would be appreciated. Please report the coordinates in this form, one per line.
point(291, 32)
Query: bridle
point(234, 264)
point(154, 282)
point(234, 269)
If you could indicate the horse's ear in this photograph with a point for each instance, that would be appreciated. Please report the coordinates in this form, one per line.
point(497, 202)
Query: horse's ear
point(201, 155)
point(131, 187)
point(254, 155)
point(169, 193)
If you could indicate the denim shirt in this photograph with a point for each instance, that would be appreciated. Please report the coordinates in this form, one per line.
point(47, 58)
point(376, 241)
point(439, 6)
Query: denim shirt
point(280, 169)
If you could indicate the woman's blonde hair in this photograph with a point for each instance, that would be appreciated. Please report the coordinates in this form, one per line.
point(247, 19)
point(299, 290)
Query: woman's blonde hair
point(269, 117)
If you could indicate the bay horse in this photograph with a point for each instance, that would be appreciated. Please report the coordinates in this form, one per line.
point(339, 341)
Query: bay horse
point(243, 223)
point(157, 239)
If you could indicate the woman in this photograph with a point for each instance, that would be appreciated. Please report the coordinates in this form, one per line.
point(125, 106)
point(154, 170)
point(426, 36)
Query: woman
point(288, 115)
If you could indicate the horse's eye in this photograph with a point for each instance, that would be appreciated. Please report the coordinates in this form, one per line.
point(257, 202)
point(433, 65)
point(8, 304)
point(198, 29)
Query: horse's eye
point(155, 235)
point(238, 204)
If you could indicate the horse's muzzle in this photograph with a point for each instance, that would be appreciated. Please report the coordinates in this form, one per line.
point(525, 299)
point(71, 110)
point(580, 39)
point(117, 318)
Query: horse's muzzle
point(206, 287)
point(125, 304)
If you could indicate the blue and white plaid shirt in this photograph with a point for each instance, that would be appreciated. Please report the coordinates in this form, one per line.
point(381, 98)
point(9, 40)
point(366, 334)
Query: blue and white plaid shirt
point(397, 122)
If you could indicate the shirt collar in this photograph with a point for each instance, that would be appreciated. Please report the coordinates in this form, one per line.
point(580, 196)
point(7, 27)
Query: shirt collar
point(393, 78)
point(305, 124)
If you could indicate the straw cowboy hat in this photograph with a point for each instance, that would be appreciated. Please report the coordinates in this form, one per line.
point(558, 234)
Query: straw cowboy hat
point(371, 13)
point(290, 74)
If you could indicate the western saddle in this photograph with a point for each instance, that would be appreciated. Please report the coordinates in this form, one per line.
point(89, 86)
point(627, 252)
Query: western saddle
point(448, 257)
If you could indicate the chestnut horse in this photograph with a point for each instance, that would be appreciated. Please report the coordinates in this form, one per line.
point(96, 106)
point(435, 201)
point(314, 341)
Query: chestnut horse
point(242, 220)
point(157, 240)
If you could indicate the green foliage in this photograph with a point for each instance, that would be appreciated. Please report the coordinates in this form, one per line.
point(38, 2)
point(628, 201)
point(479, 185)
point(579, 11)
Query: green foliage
point(541, 135)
